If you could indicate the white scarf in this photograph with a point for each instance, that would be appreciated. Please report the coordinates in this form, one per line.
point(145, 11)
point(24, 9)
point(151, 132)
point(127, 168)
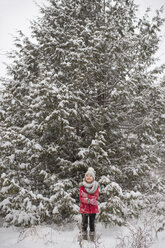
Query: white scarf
point(90, 187)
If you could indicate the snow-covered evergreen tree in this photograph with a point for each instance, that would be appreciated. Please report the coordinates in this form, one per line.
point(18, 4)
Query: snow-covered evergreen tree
point(81, 93)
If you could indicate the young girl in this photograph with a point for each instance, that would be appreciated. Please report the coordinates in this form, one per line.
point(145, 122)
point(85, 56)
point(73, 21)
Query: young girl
point(89, 193)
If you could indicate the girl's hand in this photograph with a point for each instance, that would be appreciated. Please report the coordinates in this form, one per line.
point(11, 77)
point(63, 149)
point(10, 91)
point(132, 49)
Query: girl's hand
point(93, 202)
point(85, 195)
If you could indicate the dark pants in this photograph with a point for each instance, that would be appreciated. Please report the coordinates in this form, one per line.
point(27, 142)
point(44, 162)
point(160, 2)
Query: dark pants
point(91, 222)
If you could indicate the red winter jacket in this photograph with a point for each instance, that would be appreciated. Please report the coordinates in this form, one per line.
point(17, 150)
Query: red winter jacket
point(86, 208)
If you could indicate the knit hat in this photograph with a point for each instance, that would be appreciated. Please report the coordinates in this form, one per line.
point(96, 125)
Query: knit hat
point(91, 172)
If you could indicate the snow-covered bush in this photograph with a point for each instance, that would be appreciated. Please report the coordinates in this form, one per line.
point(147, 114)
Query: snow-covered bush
point(118, 206)
point(64, 206)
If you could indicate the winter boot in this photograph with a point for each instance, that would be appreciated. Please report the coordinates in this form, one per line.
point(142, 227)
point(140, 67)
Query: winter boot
point(84, 235)
point(92, 236)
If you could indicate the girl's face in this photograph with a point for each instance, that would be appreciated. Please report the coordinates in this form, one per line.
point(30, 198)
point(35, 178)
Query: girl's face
point(89, 178)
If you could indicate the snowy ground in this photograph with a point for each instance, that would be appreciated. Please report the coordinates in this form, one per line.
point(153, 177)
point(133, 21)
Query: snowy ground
point(45, 236)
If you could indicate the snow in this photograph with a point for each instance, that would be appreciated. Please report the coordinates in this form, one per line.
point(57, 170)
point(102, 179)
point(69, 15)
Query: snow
point(161, 241)
point(49, 236)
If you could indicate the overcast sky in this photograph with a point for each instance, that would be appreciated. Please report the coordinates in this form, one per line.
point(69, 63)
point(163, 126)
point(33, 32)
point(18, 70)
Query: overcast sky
point(16, 14)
